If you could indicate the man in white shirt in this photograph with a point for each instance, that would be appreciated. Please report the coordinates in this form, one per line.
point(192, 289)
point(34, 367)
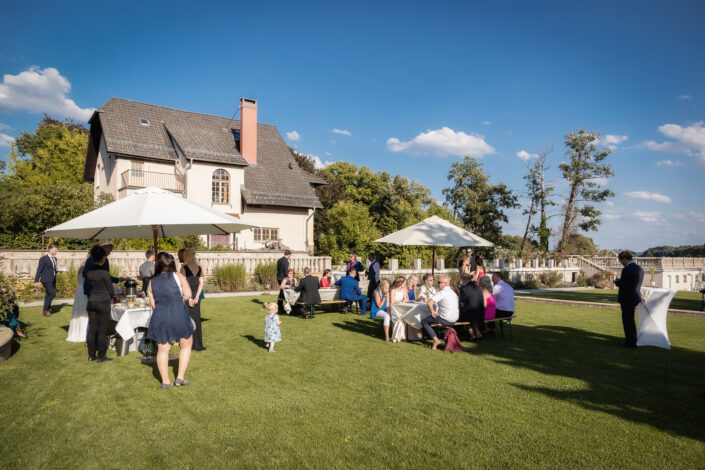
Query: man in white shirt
point(444, 309)
point(503, 296)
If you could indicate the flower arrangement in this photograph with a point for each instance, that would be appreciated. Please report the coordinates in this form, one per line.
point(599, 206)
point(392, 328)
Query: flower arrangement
point(601, 279)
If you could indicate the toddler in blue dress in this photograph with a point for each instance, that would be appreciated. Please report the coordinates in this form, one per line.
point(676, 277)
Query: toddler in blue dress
point(272, 334)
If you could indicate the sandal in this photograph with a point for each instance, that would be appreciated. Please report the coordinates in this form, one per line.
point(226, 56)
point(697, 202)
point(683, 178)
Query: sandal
point(181, 382)
point(166, 385)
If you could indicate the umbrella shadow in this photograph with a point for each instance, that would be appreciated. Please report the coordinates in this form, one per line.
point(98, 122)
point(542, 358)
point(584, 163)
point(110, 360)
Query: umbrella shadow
point(257, 341)
point(656, 387)
point(367, 328)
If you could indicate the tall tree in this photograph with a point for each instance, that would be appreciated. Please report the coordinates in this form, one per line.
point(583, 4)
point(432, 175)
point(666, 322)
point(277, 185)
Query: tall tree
point(541, 193)
point(475, 202)
point(584, 173)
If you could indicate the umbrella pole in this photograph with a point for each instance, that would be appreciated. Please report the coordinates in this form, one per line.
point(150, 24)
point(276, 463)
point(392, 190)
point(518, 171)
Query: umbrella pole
point(154, 238)
point(433, 266)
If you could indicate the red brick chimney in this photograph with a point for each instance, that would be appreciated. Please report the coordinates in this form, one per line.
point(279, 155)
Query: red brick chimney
point(248, 130)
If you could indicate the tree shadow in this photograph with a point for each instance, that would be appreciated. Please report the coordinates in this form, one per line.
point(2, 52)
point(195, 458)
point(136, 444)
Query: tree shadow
point(369, 328)
point(653, 386)
point(257, 341)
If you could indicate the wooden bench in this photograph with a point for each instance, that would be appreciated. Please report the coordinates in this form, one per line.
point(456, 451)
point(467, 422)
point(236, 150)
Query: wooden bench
point(502, 322)
point(311, 307)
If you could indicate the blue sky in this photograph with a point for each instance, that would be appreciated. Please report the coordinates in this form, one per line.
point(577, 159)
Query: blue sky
point(440, 79)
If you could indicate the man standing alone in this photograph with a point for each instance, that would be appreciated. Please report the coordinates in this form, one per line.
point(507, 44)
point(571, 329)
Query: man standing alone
point(46, 276)
point(629, 296)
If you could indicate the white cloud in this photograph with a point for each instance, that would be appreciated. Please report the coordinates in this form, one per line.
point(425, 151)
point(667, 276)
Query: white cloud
point(293, 136)
point(442, 143)
point(611, 216)
point(684, 97)
point(648, 216)
point(669, 163)
point(6, 140)
point(649, 196)
point(609, 203)
point(599, 181)
point(318, 163)
point(342, 131)
point(40, 91)
point(615, 139)
point(3, 127)
point(526, 156)
point(689, 140)
point(329, 154)
point(487, 123)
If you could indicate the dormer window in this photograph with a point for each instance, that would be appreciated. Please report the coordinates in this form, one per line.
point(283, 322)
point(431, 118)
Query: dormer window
point(144, 122)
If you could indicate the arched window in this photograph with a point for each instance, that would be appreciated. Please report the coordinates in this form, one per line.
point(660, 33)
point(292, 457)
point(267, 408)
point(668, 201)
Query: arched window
point(221, 187)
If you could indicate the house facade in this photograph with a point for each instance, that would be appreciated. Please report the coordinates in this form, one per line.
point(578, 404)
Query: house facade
point(240, 167)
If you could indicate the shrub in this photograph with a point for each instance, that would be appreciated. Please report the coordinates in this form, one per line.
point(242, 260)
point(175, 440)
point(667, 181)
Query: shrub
point(529, 282)
point(266, 275)
point(601, 279)
point(67, 283)
point(582, 281)
point(230, 277)
point(551, 278)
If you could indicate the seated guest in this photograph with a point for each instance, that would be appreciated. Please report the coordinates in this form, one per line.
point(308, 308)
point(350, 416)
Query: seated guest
point(503, 296)
point(356, 265)
point(489, 302)
point(308, 286)
point(444, 309)
point(398, 293)
point(12, 311)
point(471, 305)
point(413, 282)
point(427, 290)
point(378, 308)
point(350, 291)
point(326, 278)
point(464, 265)
point(289, 282)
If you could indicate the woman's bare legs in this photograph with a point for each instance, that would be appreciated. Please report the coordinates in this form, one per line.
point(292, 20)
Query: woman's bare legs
point(184, 355)
point(163, 361)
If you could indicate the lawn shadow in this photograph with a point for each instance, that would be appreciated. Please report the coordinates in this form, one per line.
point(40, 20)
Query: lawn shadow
point(368, 328)
point(663, 389)
point(258, 341)
point(258, 301)
point(151, 361)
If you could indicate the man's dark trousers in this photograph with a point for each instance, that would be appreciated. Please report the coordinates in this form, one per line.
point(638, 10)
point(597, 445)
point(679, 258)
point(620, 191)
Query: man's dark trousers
point(50, 288)
point(629, 323)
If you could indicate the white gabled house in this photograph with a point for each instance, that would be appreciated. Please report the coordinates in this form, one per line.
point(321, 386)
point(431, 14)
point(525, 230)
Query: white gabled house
point(240, 167)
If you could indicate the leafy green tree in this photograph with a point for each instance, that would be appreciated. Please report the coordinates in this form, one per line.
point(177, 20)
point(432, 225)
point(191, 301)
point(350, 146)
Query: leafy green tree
point(478, 204)
point(583, 173)
point(351, 231)
point(577, 244)
point(539, 193)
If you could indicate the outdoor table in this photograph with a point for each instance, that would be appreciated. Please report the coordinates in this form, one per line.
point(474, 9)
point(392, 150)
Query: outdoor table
point(406, 319)
point(128, 320)
point(290, 299)
point(653, 311)
point(329, 294)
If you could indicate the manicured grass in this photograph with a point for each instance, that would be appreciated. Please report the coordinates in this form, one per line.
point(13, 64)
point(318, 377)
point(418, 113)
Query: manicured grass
point(557, 395)
point(682, 301)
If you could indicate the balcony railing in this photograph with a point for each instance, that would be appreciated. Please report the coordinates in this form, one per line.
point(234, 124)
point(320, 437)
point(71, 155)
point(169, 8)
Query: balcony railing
point(144, 179)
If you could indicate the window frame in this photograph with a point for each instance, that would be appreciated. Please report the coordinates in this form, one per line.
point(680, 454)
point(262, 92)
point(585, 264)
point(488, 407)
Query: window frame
point(220, 187)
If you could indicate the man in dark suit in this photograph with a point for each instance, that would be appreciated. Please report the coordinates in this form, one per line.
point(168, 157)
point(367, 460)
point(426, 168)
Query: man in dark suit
point(282, 270)
point(46, 276)
point(471, 304)
point(372, 277)
point(629, 296)
point(308, 286)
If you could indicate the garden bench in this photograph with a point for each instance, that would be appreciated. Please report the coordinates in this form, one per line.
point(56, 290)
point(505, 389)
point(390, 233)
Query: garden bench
point(502, 322)
point(311, 307)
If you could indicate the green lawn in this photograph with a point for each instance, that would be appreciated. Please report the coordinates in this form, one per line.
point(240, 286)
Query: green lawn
point(557, 395)
point(682, 301)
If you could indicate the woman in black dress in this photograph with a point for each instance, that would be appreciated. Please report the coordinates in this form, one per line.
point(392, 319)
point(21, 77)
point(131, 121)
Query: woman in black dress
point(170, 321)
point(98, 307)
point(194, 276)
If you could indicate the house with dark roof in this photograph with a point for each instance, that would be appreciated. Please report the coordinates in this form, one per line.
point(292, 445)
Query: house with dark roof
point(240, 167)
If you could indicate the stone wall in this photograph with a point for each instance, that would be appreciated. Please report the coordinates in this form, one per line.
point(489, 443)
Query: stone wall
point(22, 264)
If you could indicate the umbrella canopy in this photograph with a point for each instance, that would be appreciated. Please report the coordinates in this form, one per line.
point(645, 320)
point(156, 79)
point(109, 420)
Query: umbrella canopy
point(434, 231)
point(147, 213)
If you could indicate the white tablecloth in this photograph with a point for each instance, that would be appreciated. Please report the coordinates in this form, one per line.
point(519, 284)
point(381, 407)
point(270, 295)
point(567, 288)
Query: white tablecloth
point(653, 311)
point(407, 313)
point(130, 318)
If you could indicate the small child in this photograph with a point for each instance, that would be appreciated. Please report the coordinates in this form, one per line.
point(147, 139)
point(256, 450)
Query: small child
point(272, 334)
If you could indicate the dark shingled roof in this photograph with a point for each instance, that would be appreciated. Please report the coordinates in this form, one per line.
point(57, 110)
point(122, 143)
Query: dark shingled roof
point(276, 180)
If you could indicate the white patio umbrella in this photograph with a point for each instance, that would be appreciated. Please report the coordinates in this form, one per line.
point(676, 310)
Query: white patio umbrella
point(434, 232)
point(148, 213)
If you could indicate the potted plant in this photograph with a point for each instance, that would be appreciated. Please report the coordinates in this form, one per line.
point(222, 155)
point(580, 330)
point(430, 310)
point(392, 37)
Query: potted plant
point(652, 273)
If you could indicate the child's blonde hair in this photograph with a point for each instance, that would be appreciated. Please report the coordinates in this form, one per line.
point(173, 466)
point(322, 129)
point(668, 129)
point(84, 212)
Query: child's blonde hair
point(271, 307)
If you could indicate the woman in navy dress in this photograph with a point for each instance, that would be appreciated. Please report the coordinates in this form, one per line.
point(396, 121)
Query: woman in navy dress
point(170, 319)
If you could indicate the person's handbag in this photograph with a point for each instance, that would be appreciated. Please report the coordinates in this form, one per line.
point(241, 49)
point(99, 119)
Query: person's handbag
point(202, 296)
point(452, 341)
